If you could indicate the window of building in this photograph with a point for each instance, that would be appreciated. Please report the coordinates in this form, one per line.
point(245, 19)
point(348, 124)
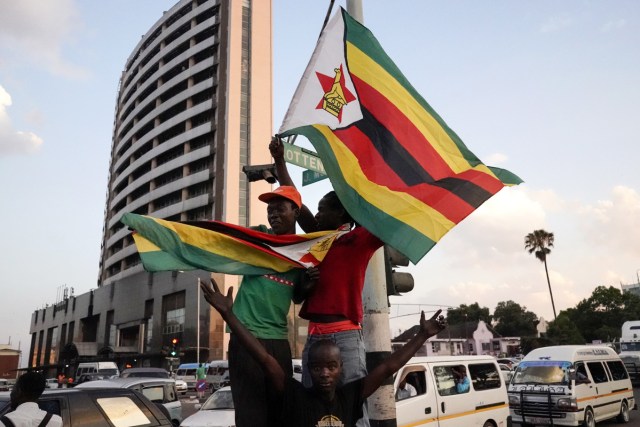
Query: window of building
point(173, 313)
point(435, 347)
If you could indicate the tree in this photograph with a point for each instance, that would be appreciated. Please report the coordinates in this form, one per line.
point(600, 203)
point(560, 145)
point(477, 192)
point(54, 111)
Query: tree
point(513, 320)
point(600, 317)
point(563, 331)
point(538, 243)
point(468, 313)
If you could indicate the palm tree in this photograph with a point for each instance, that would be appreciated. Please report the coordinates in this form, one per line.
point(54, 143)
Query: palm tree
point(538, 243)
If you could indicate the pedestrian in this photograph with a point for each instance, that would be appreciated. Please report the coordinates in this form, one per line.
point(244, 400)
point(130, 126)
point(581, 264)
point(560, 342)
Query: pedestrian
point(262, 304)
point(405, 390)
point(324, 403)
point(334, 309)
point(463, 383)
point(201, 380)
point(61, 379)
point(24, 404)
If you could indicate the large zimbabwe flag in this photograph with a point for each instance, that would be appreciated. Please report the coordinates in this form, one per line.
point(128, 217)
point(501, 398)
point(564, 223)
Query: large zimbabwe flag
point(397, 167)
point(223, 248)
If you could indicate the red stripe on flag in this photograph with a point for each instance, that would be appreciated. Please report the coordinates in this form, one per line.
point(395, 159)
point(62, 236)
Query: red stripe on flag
point(403, 129)
point(376, 170)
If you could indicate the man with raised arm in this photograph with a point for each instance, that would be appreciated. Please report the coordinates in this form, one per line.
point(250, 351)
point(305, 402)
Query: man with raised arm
point(325, 403)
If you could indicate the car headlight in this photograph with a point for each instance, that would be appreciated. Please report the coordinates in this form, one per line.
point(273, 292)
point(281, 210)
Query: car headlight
point(567, 404)
point(514, 400)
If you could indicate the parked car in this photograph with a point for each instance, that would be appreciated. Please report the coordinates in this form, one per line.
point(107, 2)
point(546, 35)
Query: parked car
point(217, 410)
point(145, 373)
point(506, 372)
point(181, 387)
point(509, 361)
point(157, 390)
point(97, 407)
point(4, 385)
point(52, 383)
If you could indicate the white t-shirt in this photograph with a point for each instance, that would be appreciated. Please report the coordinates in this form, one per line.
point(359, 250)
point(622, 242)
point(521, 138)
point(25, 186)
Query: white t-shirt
point(29, 414)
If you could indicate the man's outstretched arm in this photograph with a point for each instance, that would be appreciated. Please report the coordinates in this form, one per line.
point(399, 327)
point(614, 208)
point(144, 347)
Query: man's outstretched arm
point(224, 304)
point(399, 358)
point(306, 219)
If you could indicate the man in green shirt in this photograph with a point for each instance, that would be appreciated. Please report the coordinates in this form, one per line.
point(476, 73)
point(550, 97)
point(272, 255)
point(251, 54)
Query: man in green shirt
point(262, 304)
point(201, 380)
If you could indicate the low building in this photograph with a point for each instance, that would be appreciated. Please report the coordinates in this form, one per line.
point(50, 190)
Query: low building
point(465, 338)
point(9, 360)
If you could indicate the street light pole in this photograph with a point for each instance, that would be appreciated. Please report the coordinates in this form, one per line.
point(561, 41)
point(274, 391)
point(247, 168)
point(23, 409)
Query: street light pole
point(197, 317)
point(198, 325)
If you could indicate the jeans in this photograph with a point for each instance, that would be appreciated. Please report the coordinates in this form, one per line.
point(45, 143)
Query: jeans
point(354, 364)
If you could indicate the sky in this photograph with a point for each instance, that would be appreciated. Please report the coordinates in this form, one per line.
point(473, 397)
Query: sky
point(549, 90)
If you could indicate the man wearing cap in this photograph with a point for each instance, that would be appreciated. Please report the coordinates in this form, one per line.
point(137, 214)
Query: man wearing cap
point(262, 304)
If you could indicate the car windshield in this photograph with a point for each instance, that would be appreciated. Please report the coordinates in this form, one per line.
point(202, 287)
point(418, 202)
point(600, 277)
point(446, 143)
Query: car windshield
point(108, 371)
point(221, 399)
point(630, 346)
point(542, 372)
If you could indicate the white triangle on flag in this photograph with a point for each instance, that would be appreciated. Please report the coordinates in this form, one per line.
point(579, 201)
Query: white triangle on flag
point(326, 94)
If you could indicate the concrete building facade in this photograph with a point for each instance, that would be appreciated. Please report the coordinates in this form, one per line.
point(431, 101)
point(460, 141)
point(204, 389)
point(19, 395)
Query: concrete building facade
point(193, 107)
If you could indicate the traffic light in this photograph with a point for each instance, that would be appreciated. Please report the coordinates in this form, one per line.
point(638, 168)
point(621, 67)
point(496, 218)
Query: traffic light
point(174, 347)
point(397, 282)
point(258, 172)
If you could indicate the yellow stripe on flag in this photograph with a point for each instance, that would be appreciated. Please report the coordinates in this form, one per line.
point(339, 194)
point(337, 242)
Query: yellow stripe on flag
point(361, 65)
point(425, 219)
point(224, 245)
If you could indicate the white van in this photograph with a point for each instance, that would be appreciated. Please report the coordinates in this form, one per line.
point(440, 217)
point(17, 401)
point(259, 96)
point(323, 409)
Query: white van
point(105, 368)
point(570, 385)
point(435, 400)
point(216, 374)
point(187, 373)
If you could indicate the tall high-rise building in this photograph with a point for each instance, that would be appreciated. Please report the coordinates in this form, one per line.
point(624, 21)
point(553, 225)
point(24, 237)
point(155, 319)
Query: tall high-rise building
point(193, 107)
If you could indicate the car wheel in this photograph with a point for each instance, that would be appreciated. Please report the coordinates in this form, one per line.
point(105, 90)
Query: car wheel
point(489, 424)
point(175, 423)
point(589, 419)
point(623, 416)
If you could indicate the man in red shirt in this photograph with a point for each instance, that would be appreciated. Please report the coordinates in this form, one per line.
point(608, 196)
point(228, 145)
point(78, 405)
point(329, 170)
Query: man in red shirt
point(334, 308)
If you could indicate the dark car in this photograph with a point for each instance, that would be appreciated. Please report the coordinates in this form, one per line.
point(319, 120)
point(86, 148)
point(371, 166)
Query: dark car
point(98, 407)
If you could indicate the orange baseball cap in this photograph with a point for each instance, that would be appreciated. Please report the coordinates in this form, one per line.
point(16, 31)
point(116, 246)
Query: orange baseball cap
point(285, 191)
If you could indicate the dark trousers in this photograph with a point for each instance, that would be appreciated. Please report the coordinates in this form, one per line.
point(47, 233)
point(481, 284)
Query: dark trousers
point(256, 402)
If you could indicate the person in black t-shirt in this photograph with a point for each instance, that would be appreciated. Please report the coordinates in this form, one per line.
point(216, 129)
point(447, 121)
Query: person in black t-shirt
point(324, 404)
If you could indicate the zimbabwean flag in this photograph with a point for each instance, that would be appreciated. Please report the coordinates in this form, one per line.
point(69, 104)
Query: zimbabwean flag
point(397, 167)
point(223, 248)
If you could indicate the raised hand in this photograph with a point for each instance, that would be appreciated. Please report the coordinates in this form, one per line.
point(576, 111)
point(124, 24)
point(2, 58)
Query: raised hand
point(276, 148)
point(223, 304)
point(434, 325)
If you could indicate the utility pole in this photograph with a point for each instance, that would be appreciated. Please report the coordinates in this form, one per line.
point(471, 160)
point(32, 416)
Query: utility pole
point(377, 338)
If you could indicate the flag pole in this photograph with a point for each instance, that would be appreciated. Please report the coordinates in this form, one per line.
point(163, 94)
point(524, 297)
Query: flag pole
point(377, 337)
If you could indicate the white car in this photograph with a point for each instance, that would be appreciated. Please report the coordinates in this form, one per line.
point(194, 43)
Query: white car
point(217, 410)
point(181, 387)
